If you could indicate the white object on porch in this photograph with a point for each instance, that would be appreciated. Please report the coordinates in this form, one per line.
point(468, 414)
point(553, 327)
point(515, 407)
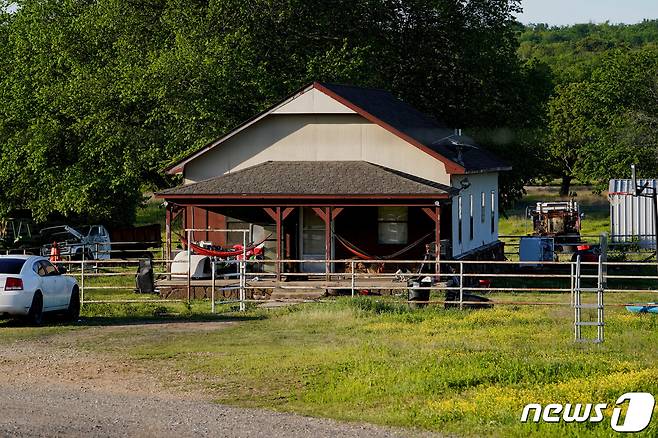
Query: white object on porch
point(200, 266)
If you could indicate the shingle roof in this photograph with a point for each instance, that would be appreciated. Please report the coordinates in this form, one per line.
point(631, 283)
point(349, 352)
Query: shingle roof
point(326, 178)
point(419, 126)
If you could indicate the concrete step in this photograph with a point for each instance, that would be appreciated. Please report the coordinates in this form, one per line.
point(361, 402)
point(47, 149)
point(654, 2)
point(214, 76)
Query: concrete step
point(297, 294)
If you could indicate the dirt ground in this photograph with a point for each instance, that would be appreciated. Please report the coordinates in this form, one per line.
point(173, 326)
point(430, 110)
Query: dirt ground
point(50, 388)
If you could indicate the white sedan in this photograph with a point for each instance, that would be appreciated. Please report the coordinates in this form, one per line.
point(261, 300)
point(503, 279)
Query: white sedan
point(31, 285)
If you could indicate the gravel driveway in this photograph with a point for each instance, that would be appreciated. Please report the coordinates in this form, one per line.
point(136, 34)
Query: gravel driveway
point(48, 388)
point(32, 410)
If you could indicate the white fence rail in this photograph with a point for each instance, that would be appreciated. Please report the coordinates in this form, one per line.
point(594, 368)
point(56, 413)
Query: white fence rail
point(464, 283)
point(462, 276)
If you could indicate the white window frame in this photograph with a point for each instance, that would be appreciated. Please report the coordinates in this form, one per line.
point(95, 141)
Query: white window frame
point(471, 219)
point(460, 217)
point(493, 212)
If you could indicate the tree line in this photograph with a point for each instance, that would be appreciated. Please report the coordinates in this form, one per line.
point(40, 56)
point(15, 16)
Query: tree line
point(96, 97)
point(602, 114)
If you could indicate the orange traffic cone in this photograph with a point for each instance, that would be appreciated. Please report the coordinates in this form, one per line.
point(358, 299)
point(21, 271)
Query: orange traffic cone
point(54, 253)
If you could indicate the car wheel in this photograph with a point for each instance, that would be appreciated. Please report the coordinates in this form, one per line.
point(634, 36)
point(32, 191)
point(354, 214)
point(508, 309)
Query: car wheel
point(35, 315)
point(73, 311)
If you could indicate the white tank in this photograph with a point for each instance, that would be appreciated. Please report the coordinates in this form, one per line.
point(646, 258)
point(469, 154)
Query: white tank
point(200, 266)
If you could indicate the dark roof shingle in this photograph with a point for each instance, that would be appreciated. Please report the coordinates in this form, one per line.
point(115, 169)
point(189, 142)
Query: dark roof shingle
point(313, 178)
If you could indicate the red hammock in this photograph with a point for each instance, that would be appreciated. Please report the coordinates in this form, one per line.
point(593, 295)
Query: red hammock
point(224, 253)
point(364, 256)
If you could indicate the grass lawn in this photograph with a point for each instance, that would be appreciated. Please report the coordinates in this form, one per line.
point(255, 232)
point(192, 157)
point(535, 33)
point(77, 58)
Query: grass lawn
point(373, 359)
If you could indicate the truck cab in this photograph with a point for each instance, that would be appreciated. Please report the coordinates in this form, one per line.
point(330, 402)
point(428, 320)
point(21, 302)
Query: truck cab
point(92, 241)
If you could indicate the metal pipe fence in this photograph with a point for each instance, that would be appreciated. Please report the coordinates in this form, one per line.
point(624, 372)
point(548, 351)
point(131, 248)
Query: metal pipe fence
point(99, 276)
point(465, 283)
point(99, 248)
point(110, 280)
point(623, 243)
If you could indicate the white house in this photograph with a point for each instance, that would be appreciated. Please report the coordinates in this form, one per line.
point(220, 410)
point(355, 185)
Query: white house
point(334, 171)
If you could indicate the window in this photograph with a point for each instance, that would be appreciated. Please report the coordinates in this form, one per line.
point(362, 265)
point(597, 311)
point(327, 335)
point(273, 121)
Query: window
point(50, 268)
point(470, 218)
point(44, 268)
point(483, 208)
point(459, 219)
point(11, 266)
point(234, 238)
point(493, 214)
point(392, 225)
point(39, 268)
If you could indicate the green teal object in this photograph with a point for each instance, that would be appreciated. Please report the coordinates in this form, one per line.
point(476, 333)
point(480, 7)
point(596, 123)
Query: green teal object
point(645, 308)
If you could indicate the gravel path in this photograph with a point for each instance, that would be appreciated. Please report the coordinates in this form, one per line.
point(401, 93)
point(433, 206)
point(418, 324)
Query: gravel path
point(49, 388)
point(34, 410)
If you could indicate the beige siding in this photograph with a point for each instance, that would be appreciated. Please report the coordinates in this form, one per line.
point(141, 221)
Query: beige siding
point(313, 102)
point(315, 137)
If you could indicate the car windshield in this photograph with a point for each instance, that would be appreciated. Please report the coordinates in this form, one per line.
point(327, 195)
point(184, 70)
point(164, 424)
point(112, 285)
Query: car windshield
point(11, 266)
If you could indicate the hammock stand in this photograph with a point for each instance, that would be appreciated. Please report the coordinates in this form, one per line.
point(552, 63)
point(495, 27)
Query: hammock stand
point(365, 256)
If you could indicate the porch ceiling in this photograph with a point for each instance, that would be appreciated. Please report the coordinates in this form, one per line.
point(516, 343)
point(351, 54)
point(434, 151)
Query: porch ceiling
point(312, 179)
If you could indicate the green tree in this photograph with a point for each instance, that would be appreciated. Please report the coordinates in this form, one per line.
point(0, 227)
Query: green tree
point(573, 52)
point(74, 134)
point(601, 126)
point(97, 96)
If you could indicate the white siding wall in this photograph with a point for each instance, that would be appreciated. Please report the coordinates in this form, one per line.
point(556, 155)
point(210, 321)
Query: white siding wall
point(632, 217)
point(315, 137)
point(480, 183)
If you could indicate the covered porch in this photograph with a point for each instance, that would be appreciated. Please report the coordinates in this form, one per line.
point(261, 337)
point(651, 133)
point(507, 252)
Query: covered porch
point(311, 214)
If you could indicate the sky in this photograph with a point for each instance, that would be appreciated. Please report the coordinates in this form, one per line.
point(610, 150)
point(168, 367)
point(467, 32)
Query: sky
point(561, 12)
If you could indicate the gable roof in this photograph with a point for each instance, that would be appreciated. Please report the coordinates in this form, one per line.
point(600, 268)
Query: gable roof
point(291, 179)
point(382, 108)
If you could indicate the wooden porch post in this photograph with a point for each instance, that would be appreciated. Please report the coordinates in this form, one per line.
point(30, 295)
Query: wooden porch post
point(279, 229)
point(327, 242)
point(206, 226)
point(167, 254)
point(278, 216)
point(185, 222)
